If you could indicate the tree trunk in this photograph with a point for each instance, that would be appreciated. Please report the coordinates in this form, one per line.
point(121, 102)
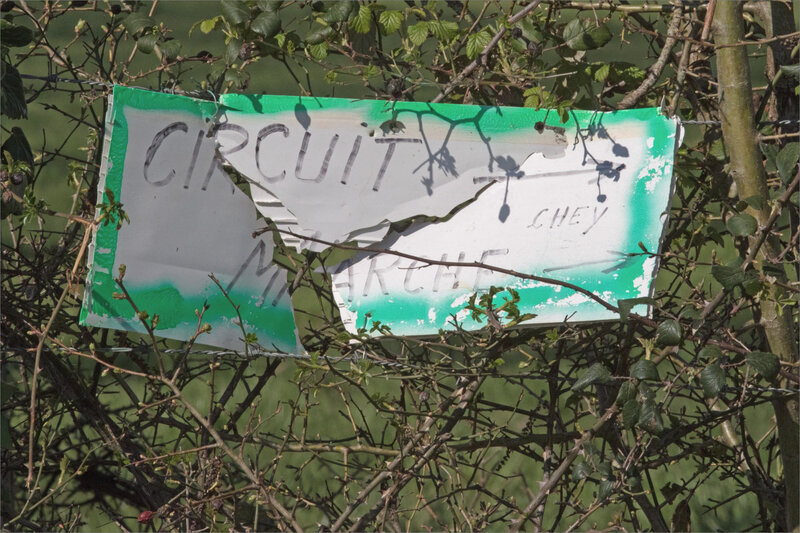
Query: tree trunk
point(739, 132)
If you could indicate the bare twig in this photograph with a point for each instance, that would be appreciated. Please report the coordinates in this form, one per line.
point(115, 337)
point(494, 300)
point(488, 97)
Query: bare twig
point(633, 97)
point(454, 264)
point(562, 468)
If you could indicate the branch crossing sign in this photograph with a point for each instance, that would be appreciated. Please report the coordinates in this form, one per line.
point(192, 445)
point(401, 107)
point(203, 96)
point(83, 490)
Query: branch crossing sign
point(429, 193)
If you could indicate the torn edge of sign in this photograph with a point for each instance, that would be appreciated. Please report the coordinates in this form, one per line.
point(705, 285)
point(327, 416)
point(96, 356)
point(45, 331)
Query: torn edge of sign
point(646, 287)
point(87, 302)
point(356, 213)
point(679, 134)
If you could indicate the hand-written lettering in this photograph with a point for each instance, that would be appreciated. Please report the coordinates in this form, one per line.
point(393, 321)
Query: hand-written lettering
point(552, 218)
point(419, 275)
point(200, 139)
point(269, 130)
point(331, 151)
point(153, 149)
point(263, 266)
point(265, 136)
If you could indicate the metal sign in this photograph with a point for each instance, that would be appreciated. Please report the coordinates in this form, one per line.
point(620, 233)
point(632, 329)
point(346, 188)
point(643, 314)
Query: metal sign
point(510, 187)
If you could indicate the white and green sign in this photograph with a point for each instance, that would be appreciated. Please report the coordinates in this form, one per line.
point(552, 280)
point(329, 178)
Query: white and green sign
point(513, 188)
point(187, 220)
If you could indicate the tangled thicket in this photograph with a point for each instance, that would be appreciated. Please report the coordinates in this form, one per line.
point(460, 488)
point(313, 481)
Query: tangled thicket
point(688, 419)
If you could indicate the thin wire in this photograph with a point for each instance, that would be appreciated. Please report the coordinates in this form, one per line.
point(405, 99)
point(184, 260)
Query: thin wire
point(52, 78)
point(55, 79)
point(214, 96)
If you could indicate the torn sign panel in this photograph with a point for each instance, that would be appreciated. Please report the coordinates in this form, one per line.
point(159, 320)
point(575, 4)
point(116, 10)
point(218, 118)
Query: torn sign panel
point(578, 219)
point(342, 170)
point(187, 220)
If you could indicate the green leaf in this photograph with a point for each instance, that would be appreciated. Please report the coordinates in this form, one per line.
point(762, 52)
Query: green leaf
point(709, 353)
point(169, 49)
point(742, 225)
point(669, 333)
point(727, 276)
point(646, 391)
point(208, 25)
point(235, 11)
point(770, 152)
point(269, 5)
point(339, 11)
point(649, 417)
point(147, 43)
point(136, 23)
point(12, 35)
point(538, 97)
point(235, 77)
point(606, 488)
point(232, 51)
point(443, 30)
point(362, 22)
point(585, 34)
point(627, 72)
point(602, 72)
point(627, 392)
point(597, 373)
point(752, 284)
point(267, 24)
point(791, 70)
point(529, 31)
point(563, 111)
point(12, 94)
point(766, 364)
point(626, 305)
point(786, 161)
point(755, 201)
point(319, 50)
point(418, 33)
point(391, 21)
point(712, 378)
point(320, 35)
point(644, 369)
point(476, 42)
point(18, 147)
point(630, 414)
point(581, 471)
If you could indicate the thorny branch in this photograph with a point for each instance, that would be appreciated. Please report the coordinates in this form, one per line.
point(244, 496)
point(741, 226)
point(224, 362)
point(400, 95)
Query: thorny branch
point(620, 423)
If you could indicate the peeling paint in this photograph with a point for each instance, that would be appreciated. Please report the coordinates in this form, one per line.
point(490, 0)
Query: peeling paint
point(300, 150)
point(509, 187)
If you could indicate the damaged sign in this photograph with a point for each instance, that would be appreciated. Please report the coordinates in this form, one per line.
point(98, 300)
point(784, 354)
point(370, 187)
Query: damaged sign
point(432, 193)
point(187, 221)
point(344, 170)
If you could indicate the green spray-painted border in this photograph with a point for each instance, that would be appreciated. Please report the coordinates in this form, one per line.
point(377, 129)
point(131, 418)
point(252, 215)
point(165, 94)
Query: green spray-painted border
point(496, 120)
point(645, 208)
point(646, 226)
point(400, 313)
point(488, 120)
point(112, 312)
point(106, 236)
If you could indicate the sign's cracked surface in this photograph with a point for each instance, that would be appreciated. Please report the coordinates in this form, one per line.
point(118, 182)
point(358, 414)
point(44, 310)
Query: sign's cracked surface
point(510, 187)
